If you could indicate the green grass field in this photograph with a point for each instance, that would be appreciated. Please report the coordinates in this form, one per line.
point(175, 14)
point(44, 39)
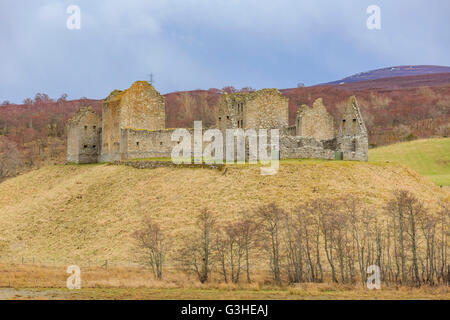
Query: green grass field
point(429, 157)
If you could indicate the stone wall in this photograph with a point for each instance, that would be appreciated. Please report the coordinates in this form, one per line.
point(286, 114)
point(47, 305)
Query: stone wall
point(354, 148)
point(84, 136)
point(142, 107)
point(144, 144)
point(352, 138)
point(230, 110)
point(166, 164)
point(138, 107)
point(147, 143)
point(265, 109)
point(141, 143)
point(315, 122)
point(72, 144)
point(295, 147)
point(111, 127)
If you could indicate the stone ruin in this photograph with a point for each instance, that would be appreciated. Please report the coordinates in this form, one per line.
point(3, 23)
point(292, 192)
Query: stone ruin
point(352, 138)
point(84, 136)
point(132, 126)
point(315, 122)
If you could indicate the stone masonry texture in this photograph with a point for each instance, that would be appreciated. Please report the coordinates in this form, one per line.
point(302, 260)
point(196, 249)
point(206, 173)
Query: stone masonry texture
point(132, 126)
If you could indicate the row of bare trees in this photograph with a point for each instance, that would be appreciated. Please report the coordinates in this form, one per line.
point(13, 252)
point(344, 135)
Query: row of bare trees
point(225, 247)
point(322, 240)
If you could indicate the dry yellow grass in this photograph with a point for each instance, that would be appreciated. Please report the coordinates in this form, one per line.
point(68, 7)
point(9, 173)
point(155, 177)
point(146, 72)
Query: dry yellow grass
point(72, 214)
point(33, 282)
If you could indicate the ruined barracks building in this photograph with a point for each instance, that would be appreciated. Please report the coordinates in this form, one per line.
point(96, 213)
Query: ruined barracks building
point(132, 126)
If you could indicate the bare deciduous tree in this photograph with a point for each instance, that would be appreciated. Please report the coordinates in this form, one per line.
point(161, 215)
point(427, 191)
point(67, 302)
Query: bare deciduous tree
point(442, 267)
point(414, 209)
point(397, 208)
point(152, 242)
point(428, 225)
point(197, 254)
point(295, 247)
point(246, 229)
point(409, 245)
point(325, 210)
point(270, 219)
point(229, 248)
point(307, 225)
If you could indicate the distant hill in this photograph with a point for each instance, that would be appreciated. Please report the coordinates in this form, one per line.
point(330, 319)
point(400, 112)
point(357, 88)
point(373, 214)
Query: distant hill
point(392, 72)
point(430, 157)
point(396, 83)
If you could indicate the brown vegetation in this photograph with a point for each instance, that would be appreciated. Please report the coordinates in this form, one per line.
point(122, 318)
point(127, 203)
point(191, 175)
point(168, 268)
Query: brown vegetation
point(44, 282)
point(350, 235)
point(153, 244)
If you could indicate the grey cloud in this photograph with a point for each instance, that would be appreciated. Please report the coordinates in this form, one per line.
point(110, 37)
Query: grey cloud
point(193, 44)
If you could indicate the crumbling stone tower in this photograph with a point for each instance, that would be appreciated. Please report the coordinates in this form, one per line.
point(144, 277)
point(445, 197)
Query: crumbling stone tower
point(352, 139)
point(265, 109)
point(315, 122)
point(231, 111)
point(84, 136)
point(140, 107)
point(262, 109)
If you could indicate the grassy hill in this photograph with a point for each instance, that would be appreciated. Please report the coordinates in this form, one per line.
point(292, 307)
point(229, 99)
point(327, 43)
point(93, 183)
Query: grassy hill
point(75, 213)
point(430, 157)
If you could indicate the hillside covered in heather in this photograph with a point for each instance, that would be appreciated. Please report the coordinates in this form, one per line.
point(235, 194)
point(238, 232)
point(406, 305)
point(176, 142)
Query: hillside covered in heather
point(396, 72)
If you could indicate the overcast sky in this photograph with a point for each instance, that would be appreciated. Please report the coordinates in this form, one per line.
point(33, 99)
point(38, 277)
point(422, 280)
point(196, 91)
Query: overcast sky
point(201, 44)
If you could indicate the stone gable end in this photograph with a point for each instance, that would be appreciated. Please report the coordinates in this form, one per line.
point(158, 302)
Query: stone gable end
point(315, 122)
